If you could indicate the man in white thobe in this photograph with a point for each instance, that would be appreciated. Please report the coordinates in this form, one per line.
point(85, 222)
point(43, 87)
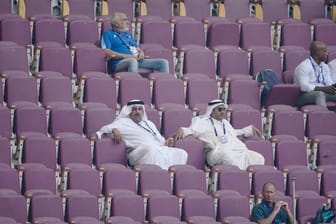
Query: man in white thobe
point(221, 140)
point(145, 144)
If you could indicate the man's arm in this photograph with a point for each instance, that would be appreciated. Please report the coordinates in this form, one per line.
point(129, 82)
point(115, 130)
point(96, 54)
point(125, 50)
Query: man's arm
point(110, 128)
point(182, 132)
point(326, 89)
point(113, 54)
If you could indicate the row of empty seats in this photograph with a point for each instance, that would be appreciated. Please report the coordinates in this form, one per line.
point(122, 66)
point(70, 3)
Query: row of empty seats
point(109, 191)
point(269, 11)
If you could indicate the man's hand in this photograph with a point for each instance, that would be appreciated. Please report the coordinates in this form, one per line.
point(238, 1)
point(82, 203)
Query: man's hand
point(117, 135)
point(257, 132)
point(280, 204)
point(141, 54)
point(169, 142)
point(179, 134)
point(326, 89)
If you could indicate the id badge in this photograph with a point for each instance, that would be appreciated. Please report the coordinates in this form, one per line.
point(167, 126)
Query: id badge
point(134, 50)
point(223, 139)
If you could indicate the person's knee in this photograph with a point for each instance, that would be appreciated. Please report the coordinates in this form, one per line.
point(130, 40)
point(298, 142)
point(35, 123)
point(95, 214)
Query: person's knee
point(133, 65)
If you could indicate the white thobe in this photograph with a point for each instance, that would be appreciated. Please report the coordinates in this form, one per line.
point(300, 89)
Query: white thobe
point(145, 145)
point(222, 143)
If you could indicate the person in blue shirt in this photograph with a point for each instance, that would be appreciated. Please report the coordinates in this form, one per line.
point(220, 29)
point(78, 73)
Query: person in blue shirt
point(270, 211)
point(122, 50)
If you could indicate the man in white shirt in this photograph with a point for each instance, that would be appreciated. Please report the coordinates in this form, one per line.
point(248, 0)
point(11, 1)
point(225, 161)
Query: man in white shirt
point(314, 77)
point(221, 140)
point(145, 145)
point(332, 66)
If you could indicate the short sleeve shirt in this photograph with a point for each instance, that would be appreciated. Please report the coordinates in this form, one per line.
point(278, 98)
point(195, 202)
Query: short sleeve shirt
point(263, 210)
point(119, 42)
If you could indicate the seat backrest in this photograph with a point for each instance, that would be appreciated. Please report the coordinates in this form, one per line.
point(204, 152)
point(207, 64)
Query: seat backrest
point(40, 150)
point(30, 119)
point(48, 29)
point(57, 59)
point(249, 96)
point(125, 6)
point(14, 206)
point(95, 118)
point(161, 28)
point(134, 89)
point(13, 58)
point(189, 179)
point(324, 32)
point(291, 153)
point(79, 7)
point(10, 179)
point(16, 30)
point(85, 179)
point(311, 9)
point(306, 180)
point(234, 179)
point(266, 60)
point(81, 205)
point(188, 32)
point(293, 58)
point(89, 59)
point(240, 119)
point(74, 150)
point(274, 10)
point(82, 31)
point(294, 124)
point(195, 150)
point(296, 34)
point(255, 34)
point(236, 9)
point(106, 94)
point(232, 61)
point(20, 88)
point(264, 147)
point(119, 178)
point(233, 206)
point(38, 179)
point(5, 120)
point(200, 61)
point(30, 8)
point(162, 8)
point(223, 32)
point(173, 119)
point(6, 6)
point(168, 91)
point(154, 179)
point(46, 206)
point(197, 9)
point(320, 123)
point(65, 119)
point(55, 89)
point(104, 154)
point(200, 91)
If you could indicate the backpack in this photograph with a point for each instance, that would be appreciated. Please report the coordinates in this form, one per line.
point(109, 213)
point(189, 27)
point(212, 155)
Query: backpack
point(270, 78)
point(325, 214)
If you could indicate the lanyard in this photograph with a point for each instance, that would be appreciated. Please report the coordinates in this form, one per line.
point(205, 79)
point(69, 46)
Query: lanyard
point(319, 73)
point(147, 128)
point(215, 130)
point(122, 39)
